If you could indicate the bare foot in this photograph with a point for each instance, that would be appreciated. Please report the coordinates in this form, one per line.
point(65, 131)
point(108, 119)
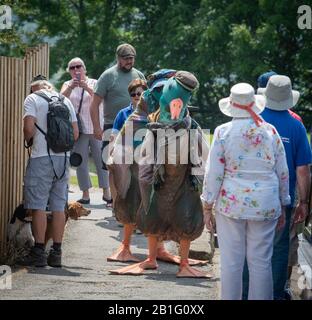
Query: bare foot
point(188, 272)
point(136, 269)
point(123, 254)
point(164, 255)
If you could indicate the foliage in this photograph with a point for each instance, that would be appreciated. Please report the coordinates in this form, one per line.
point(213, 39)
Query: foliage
point(221, 42)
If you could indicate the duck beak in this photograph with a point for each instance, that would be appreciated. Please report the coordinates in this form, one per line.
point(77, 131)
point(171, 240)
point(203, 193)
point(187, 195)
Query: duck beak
point(175, 108)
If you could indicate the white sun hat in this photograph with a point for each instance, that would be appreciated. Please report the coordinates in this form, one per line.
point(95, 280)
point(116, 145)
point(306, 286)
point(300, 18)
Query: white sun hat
point(242, 97)
point(279, 93)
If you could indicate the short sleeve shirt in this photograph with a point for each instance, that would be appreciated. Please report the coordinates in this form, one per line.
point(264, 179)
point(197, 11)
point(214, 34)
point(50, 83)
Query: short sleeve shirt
point(121, 117)
point(75, 98)
point(37, 107)
point(112, 86)
point(294, 137)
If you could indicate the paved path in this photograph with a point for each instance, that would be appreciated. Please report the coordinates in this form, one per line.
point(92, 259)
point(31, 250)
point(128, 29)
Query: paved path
point(87, 243)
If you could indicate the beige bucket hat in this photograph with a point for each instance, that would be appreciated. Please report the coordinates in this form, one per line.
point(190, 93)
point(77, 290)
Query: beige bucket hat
point(279, 94)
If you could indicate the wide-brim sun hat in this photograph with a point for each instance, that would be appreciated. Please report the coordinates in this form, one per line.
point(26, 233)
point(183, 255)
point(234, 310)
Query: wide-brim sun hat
point(279, 94)
point(242, 94)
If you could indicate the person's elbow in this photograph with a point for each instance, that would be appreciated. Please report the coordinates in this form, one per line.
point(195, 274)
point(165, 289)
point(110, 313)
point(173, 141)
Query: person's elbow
point(303, 171)
point(95, 103)
point(28, 133)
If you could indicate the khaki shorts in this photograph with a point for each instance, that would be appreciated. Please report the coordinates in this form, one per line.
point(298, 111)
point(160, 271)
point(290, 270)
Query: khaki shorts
point(42, 188)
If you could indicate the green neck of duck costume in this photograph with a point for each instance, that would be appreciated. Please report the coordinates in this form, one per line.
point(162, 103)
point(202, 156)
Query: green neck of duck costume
point(173, 102)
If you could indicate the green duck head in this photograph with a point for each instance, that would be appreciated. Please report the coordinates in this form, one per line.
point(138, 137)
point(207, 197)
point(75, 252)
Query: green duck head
point(175, 97)
point(156, 82)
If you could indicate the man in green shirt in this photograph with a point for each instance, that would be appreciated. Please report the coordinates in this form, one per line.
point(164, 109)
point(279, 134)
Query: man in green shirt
point(112, 87)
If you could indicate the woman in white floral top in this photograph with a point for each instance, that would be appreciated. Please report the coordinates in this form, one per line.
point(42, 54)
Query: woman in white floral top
point(246, 180)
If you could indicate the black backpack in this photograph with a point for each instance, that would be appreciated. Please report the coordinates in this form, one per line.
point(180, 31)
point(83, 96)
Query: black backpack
point(60, 133)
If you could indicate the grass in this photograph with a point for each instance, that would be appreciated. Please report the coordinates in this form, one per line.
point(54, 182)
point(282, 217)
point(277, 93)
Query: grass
point(94, 180)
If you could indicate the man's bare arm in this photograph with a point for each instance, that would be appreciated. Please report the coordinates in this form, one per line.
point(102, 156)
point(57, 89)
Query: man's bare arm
point(94, 112)
point(76, 130)
point(29, 128)
point(303, 185)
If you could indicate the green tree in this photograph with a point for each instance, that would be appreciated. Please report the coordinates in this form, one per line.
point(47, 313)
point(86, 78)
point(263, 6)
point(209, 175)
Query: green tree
point(221, 42)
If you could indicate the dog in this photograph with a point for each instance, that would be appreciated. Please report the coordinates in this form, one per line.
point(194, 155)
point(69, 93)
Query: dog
point(20, 230)
point(73, 210)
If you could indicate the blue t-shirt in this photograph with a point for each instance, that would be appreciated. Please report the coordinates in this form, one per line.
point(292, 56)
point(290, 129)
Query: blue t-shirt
point(294, 137)
point(121, 118)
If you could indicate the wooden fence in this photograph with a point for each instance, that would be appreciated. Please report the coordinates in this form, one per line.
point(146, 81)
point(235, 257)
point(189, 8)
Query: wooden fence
point(15, 78)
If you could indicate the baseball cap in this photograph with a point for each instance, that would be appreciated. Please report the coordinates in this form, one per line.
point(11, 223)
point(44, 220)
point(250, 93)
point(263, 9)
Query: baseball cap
point(264, 78)
point(125, 50)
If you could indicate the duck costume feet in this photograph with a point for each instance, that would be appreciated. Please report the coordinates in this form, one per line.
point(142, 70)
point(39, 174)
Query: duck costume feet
point(123, 254)
point(186, 271)
point(166, 256)
point(136, 269)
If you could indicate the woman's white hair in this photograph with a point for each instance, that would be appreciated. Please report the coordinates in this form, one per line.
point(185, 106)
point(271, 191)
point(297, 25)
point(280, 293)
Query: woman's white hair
point(76, 59)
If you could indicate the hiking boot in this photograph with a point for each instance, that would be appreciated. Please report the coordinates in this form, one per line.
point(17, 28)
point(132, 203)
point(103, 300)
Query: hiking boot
point(36, 257)
point(55, 258)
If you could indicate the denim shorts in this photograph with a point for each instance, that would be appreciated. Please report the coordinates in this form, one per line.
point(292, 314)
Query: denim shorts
point(41, 188)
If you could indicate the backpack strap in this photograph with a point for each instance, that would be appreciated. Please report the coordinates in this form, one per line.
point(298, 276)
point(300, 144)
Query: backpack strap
point(48, 99)
point(65, 159)
point(43, 95)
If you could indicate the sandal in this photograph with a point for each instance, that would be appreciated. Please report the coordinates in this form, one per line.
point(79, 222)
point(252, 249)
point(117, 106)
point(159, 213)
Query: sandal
point(108, 201)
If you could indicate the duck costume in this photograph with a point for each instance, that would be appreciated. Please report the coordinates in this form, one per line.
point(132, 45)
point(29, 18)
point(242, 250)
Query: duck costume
point(171, 207)
point(124, 176)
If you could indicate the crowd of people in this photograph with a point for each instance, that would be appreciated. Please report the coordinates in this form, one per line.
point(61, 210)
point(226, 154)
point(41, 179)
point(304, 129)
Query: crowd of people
point(256, 183)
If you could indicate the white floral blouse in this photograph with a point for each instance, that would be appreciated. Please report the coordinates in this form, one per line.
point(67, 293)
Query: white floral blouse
point(246, 171)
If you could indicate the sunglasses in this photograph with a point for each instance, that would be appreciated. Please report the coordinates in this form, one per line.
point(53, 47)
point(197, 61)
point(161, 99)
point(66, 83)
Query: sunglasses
point(133, 94)
point(75, 67)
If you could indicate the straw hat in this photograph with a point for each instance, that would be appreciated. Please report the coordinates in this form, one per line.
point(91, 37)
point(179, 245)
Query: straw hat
point(242, 94)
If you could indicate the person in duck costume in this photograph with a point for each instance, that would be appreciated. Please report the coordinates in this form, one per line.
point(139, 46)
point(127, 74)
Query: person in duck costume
point(124, 176)
point(171, 208)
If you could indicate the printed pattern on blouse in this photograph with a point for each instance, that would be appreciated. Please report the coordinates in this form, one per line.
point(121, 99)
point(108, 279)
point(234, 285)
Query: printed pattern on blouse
point(246, 171)
point(85, 116)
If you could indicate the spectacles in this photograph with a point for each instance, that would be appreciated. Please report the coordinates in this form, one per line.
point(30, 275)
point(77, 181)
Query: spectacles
point(75, 67)
point(133, 94)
